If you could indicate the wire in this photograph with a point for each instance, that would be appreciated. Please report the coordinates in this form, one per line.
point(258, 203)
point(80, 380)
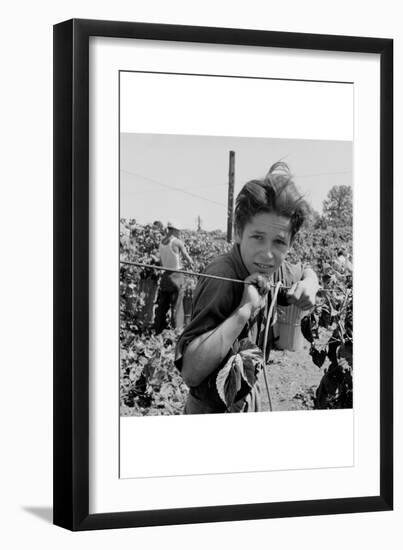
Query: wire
point(174, 188)
point(191, 273)
point(208, 276)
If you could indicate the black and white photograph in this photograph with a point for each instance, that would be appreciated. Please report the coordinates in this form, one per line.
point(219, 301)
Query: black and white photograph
point(236, 274)
point(230, 239)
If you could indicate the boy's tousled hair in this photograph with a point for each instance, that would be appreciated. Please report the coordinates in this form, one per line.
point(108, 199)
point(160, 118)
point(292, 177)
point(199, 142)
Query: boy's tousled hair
point(277, 193)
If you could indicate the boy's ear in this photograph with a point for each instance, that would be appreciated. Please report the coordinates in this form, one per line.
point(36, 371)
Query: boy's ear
point(237, 236)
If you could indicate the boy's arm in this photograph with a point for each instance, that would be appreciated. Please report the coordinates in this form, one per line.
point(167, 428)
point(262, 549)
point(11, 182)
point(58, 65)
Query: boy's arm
point(303, 293)
point(182, 248)
point(204, 354)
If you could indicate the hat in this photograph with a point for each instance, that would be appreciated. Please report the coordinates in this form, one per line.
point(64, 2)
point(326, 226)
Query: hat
point(174, 224)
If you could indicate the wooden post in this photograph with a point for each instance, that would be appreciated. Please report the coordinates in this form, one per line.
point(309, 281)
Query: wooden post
point(231, 180)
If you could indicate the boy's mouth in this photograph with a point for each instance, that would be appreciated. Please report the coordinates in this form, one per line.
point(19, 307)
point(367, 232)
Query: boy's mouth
point(264, 267)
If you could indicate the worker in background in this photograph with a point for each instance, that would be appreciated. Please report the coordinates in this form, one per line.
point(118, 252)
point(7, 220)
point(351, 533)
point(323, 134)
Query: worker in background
point(171, 251)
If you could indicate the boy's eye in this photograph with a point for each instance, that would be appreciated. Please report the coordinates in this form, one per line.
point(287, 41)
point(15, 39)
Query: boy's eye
point(280, 242)
point(257, 237)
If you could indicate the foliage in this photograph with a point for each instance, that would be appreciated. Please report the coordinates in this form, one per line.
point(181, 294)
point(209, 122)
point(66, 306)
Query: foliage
point(150, 384)
point(329, 329)
point(204, 246)
point(319, 247)
point(137, 244)
point(140, 244)
point(338, 206)
point(240, 373)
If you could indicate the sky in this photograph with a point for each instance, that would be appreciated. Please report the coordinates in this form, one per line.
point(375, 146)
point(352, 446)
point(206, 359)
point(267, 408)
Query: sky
point(180, 177)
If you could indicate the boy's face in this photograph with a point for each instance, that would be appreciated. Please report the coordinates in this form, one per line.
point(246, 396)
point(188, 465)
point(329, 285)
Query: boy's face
point(264, 243)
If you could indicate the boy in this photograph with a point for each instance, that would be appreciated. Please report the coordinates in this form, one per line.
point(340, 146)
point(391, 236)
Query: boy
point(268, 215)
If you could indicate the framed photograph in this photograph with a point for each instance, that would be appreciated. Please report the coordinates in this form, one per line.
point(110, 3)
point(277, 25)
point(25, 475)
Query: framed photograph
point(223, 233)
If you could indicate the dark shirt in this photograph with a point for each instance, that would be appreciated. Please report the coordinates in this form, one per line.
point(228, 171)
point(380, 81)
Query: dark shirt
point(213, 302)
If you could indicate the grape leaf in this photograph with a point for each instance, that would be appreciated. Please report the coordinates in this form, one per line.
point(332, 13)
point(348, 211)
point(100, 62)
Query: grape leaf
point(346, 353)
point(306, 328)
point(242, 367)
point(228, 380)
point(324, 335)
point(318, 356)
point(252, 361)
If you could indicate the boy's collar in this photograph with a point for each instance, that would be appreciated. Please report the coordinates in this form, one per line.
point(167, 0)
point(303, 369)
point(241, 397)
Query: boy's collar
point(240, 269)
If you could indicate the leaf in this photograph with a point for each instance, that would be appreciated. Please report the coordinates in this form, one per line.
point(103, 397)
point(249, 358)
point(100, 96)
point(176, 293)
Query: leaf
point(228, 380)
point(249, 371)
point(166, 391)
point(306, 328)
point(326, 317)
point(346, 353)
point(324, 335)
point(252, 361)
point(318, 356)
point(344, 365)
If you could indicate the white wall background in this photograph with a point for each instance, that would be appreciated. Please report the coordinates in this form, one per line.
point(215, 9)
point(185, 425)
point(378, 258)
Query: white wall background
point(26, 275)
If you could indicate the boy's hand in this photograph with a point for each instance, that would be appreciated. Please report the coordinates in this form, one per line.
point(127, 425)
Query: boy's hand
point(303, 294)
point(254, 295)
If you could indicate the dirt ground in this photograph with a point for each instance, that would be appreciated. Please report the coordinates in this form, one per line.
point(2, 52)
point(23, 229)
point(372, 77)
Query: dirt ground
point(292, 379)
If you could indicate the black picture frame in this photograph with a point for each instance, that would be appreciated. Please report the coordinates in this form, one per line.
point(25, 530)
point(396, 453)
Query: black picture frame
point(71, 273)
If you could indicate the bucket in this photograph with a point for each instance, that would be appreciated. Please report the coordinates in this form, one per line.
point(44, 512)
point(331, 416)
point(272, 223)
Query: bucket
point(287, 329)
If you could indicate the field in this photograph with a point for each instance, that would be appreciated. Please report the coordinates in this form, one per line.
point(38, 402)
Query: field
point(293, 379)
point(317, 376)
